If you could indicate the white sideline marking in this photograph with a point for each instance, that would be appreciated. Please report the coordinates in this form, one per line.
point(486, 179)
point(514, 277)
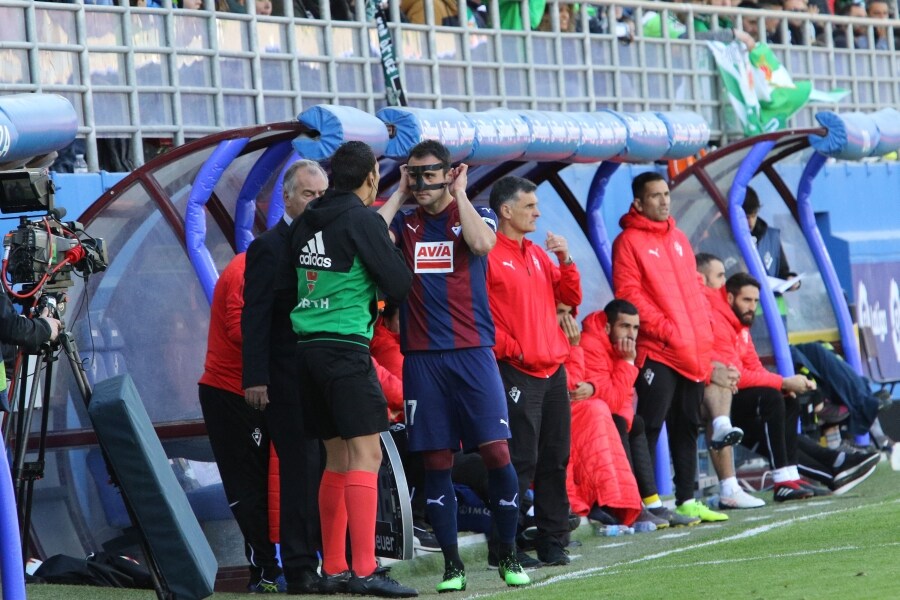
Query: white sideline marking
point(766, 557)
point(759, 518)
point(668, 536)
point(752, 532)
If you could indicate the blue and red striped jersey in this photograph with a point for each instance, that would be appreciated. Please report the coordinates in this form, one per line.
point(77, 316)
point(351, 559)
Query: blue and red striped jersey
point(447, 307)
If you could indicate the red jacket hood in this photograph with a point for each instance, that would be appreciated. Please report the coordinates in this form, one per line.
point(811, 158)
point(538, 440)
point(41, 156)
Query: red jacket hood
point(595, 324)
point(637, 220)
point(612, 378)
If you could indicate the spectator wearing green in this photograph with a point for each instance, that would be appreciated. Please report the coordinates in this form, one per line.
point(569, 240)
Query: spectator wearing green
point(511, 14)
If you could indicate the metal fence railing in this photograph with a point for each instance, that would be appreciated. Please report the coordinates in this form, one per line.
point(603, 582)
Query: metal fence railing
point(144, 73)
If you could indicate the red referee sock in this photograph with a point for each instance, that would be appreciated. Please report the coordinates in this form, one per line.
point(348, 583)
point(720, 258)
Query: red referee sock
point(361, 497)
point(333, 517)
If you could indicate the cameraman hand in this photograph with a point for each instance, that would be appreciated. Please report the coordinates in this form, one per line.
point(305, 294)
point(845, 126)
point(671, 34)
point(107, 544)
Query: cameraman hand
point(54, 324)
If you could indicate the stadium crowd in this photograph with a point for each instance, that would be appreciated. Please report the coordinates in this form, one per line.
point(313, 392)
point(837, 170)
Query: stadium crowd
point(566, 17)
point(476, 361)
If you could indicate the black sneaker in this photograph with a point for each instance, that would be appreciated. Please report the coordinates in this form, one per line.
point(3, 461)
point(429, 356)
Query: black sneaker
point(339, 583)
point(850, 478)
point(424, 539)
point(790, 490)
point(817, 490)
point(379, 584)
point(598, 515)
point(305, 582)
point(855, 461)
point(528, 563)
point(552, 554)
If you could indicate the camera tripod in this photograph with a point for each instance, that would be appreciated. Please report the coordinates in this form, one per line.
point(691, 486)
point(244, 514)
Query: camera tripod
point(24, 472)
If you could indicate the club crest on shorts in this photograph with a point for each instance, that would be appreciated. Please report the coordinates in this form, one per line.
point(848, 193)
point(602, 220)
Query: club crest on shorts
point(514, 394)
point(257, 436)
point(649, 375)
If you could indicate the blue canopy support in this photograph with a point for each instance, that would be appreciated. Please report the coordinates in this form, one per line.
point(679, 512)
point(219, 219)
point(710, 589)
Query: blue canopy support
point(259, 174)
point(195, 215)
point(823, 261)
point(741, 232)
point(596, 228)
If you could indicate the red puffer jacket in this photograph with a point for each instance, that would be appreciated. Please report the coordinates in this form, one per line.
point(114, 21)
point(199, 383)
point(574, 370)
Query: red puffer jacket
point(611, 375)
point(598, 471)
point(654, 268)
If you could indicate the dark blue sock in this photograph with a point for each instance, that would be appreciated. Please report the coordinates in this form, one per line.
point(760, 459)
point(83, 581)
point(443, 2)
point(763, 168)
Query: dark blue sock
point(440, 506)
point(503, 485)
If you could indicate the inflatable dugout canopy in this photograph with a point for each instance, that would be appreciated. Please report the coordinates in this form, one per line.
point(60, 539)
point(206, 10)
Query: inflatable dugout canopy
point(33, 125)
point(854, 136)
point(501, 135)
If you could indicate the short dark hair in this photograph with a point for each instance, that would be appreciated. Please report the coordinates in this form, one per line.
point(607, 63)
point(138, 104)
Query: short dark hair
point(704, 258)
point(432, 148)
point(748, 4)
point(617, 307)
point(351, 164)
point(751, 202)
point(764, 3)
point(740, 280)
point(639, 182)
point(507, 189)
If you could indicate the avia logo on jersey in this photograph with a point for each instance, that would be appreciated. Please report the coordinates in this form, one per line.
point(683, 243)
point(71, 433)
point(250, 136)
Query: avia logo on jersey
point(313, 253)
point(434, 257)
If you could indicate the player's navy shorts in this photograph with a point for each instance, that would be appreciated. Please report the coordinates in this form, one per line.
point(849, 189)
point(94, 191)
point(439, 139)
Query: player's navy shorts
point(340, 391)
point(453, 396)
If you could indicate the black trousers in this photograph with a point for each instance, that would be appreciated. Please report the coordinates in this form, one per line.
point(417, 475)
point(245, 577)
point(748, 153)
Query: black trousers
point(769, 421)
point(665, 396)
point(638, 452)
point(240, 442)
point(301, 462)
point(540, 419)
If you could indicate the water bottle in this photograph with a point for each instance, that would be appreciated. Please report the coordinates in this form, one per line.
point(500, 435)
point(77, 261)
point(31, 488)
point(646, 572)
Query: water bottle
point(613, 530)
point(644, 527)
point(80, 165)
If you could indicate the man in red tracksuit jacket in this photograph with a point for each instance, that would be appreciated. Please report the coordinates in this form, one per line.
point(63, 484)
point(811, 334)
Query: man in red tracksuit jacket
point(766, 403)
point(654, 269)
point(524, 287)
point(238, 433)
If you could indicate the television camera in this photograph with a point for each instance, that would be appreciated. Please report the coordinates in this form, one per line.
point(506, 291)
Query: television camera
point(42, 254)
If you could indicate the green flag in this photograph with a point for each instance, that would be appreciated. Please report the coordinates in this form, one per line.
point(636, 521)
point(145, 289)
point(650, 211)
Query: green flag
point(734, 71)
point(772, 96)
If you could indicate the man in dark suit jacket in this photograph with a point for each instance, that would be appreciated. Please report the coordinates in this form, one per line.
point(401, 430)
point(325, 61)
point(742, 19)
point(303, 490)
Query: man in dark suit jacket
point(270, 383)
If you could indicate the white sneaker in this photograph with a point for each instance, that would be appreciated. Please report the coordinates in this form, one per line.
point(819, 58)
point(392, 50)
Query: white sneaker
point(726, 436)
point(740, 499)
